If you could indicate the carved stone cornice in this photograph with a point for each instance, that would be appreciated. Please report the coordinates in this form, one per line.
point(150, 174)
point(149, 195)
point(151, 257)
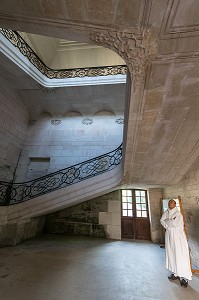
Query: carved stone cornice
point(137, 50)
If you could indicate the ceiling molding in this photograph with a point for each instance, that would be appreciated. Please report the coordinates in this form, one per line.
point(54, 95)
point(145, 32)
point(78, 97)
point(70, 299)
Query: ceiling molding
point(169, 30)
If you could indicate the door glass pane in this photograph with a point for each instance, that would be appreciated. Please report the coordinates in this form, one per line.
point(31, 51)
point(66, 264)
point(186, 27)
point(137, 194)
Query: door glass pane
point(124, 213)
point(138, 214)
point(130, 214)
point(127, 208)
point(124, 205)
point(138, 206)
point(123, 192)
point(137, 199)
point(130, 206)
point(144, 214)
point(143, 206)
point(129, 193)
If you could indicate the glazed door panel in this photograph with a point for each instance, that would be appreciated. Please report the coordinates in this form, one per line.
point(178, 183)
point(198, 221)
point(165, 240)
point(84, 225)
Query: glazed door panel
point(135, 217)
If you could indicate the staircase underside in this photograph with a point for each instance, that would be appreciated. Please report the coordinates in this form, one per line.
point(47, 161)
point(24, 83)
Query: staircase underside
point(62, 198)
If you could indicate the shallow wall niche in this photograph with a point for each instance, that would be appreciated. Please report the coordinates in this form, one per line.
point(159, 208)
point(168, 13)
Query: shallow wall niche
point(34, 135)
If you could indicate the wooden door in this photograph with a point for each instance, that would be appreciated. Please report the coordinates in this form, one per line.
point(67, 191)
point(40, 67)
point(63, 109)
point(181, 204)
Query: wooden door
point(135, 216)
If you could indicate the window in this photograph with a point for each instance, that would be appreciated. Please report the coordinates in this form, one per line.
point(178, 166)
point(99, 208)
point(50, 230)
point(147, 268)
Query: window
point(127, 209)
point(134, 203)
point(141, 204)
point(165, 204)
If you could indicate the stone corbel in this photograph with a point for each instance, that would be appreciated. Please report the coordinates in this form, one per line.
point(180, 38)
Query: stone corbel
point(136, 49)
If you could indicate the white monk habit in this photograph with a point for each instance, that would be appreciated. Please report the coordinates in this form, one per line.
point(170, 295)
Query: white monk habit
point(176, 246)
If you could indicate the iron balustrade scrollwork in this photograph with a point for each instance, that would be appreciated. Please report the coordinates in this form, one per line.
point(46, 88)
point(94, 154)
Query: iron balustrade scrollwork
point(12, 193)
point(16, 40)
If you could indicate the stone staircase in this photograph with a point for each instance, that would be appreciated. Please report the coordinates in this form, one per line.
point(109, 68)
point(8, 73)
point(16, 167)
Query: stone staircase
point(62, 198)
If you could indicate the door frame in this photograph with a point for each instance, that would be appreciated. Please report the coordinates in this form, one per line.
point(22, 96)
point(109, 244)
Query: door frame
point(135, 220)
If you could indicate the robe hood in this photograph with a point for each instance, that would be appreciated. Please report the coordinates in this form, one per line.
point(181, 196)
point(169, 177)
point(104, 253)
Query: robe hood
point(172, 211)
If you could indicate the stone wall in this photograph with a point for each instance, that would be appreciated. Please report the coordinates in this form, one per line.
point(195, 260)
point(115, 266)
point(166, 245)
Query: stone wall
point(112, 218)
point(14, 233)
point(188, 190)
point(81, 219)
point(13, 126)
point(69, 140)
point(99, 217)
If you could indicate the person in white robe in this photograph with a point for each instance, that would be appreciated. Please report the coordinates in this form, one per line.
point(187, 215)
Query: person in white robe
point(176, 245)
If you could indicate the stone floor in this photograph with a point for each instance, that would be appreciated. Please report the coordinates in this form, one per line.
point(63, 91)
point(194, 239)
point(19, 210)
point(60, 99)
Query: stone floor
point(54, 267)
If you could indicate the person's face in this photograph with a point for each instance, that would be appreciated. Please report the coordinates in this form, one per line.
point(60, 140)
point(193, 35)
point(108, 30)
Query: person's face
point(171, 204)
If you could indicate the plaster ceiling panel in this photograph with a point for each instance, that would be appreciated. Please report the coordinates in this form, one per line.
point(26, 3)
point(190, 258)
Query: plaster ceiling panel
point(158, 76)
point(171, 127)
point(156, 14)
point(186, 14)
point(168, 47)
point(171, 146)
point(180, 47)
point(187, 46)
point(76, 10)
point(45, 8)
point(181, 17)
point(130, 13)
point(101, 12)
point(154, 100)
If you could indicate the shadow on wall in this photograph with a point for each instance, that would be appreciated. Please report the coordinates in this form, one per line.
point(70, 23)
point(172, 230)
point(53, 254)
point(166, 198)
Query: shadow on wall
point(81, 219)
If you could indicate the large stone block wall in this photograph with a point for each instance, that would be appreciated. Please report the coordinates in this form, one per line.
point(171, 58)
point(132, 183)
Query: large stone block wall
point(13, 127)
point(12, 234)
point(188, 190)
point(68, 141)
point(81, 219)
point(99, 217)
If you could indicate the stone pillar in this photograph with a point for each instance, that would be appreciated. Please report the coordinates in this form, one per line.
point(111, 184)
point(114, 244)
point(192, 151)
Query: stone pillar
point(112, 218)
point(155, 196)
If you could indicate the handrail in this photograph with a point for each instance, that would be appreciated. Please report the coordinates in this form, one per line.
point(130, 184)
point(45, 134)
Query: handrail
point(15, 38)
point(12, 193)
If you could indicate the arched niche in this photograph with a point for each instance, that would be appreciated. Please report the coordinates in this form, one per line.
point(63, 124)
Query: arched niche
point(72, 114)
point(104, 113)
point(44, 118)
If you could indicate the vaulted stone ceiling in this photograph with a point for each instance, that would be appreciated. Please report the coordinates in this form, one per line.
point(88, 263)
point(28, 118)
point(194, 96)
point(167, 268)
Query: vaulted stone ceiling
point(159, 41)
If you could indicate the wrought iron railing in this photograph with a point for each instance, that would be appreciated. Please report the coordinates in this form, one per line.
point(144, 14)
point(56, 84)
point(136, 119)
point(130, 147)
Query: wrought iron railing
point(16, 40)
point(12, 193)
